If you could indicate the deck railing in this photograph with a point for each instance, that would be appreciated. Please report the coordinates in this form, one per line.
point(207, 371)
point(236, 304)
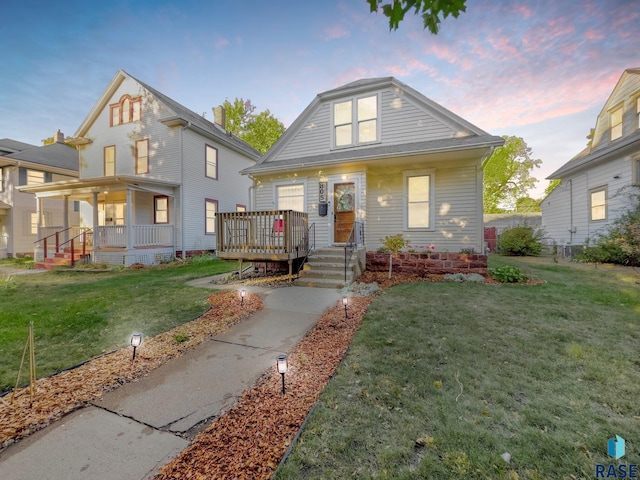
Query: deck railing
point(276, 234)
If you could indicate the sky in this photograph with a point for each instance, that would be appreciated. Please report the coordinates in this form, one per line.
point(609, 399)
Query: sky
point(540, 70)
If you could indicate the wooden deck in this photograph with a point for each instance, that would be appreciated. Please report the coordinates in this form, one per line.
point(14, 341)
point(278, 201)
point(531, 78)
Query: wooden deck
point(273, 235)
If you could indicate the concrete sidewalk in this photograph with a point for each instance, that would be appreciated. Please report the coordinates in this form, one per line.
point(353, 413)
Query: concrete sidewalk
point(134, 430)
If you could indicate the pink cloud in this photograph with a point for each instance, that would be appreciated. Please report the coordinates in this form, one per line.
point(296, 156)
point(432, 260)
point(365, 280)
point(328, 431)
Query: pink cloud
point(593, 35)
point(334, 32)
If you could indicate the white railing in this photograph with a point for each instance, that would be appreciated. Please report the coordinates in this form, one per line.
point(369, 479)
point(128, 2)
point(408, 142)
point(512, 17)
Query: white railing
point(152, 235)
point(143, 235)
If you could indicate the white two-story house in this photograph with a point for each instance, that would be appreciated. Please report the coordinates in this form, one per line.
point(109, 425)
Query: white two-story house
point(153, 175)
point(599, 183)
point(23, 164)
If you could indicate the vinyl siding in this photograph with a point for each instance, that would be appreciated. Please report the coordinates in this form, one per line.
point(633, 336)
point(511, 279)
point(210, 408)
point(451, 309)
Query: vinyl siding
point(455, 224)
point(229, 189)
point(163, 141)
point(625, 95)
point(402, 121)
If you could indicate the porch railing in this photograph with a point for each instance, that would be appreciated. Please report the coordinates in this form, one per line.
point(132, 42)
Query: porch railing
point(143, 235)
point(278, 234)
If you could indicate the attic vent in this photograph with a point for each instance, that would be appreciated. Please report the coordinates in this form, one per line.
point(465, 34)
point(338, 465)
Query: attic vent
point(220, 116)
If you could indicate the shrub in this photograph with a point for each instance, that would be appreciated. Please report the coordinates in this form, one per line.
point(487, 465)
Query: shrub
point(508, 274)
point(520, 241)
point(464, 277)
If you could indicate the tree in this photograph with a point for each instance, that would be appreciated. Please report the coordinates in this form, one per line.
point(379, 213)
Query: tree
point(260, 130)
point(430, 10)
point(553, 184)
point(527, 205)
point(507, 175)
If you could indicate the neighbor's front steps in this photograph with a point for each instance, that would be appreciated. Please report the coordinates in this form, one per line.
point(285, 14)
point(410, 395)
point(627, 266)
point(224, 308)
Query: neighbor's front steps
point(60, 259)
point(325, 269)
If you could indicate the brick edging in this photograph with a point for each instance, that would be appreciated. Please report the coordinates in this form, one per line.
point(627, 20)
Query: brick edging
point(423, 263)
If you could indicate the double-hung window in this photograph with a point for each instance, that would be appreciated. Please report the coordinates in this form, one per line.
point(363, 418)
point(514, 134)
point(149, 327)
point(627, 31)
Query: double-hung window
point(110, 161)
point(142, 156)
point(161, 209)
point(598, 204)
point(35, 177)
point(355, 121)
point(211, 162)
point(290, 197)
point(616, 123)
point(418, 187)
point(210, 210)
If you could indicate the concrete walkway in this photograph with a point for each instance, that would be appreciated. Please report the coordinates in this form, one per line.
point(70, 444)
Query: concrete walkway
point(133, 431)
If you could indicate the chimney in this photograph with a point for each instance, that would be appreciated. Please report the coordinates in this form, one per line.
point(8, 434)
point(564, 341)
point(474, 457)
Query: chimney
point(58, 137)
point(219, 116)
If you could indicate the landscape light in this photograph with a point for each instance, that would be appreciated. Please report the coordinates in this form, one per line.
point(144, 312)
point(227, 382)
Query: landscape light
point(243, 293)
point(345, 302)
point(283, 366)
point(136, 340)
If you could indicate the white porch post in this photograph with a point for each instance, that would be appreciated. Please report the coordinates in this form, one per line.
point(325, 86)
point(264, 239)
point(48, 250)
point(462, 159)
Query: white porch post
point(39, 215)
point(129, 221)
point(94, 220)
point(65, 218)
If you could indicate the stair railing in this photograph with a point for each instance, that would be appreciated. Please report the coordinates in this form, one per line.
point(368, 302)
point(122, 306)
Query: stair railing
point(309, 244)
point(356, 238)
point(84, 235)
point(57, 237)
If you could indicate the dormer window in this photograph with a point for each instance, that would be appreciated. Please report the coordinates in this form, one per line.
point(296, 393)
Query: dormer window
point(355, 121)
point(127, 110)
point(616, 123)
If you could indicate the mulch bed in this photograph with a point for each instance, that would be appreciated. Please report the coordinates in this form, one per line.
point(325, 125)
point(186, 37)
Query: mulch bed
point(249, 440)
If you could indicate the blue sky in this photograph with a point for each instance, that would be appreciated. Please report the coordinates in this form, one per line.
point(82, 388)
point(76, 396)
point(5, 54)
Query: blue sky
point(541, 70)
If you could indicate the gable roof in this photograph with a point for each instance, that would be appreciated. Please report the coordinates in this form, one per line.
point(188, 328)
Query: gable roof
point(8, 146)
point(592, 154)
point(474, 137)
point(181, 116)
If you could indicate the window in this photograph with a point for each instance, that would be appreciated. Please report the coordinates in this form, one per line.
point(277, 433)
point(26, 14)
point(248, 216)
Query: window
point(241, 208)
point(35, 177)
point(161, 209)
point(616, 123)
point(211, 208)
point(418, 193)
point(109, 161)
point(598, 204)
point(142, 156)
point(127, 110)
point(211, 160)
point(364, 116)
point(290, 197)
point(33, 223)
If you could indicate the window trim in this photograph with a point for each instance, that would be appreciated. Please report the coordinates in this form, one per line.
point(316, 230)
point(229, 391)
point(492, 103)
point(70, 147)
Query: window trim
point(134, 107)
point(208, 201)
point(155, 209)
point(405, 198)
point(104, 160)
point(138, 170)
point(285, 183)
point(355, 122)
point(206, 162)
point(240, 207)
point(593, 191)
point(612, 127)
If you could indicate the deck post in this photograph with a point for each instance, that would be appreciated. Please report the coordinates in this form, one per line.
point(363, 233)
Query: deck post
point(240, 269)
point(290, 270)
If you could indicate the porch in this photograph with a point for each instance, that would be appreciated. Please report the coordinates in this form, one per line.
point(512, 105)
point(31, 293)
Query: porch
point(110, 244)
point(275, 235)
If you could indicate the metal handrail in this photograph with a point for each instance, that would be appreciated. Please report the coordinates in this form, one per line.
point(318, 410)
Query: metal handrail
point(57, 235)
point(83, 234)
point(310, 245)
point(357, 233)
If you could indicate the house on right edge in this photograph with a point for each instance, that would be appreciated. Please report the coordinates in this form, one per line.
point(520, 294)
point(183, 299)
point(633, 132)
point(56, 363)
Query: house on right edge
point(597, 185)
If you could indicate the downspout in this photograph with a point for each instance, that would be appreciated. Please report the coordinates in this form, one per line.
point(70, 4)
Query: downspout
point(252, 193)
point(571, 229)
point(181, 149)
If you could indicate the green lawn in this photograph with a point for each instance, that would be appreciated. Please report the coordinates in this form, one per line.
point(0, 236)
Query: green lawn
point(443, 379)
point(78, 315)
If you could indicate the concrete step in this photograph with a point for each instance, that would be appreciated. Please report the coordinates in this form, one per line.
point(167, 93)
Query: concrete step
point(319, 283)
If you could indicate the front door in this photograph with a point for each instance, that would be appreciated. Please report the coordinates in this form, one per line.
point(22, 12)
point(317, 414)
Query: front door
point(344, 211)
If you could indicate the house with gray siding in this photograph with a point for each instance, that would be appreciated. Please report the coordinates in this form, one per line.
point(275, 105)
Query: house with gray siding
point(153, 176)
point(599, 183)
point(378, 153)
point(23, 164)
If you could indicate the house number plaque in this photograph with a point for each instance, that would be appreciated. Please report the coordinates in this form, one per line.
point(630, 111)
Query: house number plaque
point(323, 192)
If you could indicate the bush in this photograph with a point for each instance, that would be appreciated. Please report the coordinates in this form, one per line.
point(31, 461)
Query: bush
point(464, 277)
point(508, 274)
point(520, 241)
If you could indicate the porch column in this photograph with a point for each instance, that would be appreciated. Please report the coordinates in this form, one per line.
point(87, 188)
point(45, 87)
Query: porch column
point(129, 221)
point(65, 217)
point(39, 215)
point(94, 219)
